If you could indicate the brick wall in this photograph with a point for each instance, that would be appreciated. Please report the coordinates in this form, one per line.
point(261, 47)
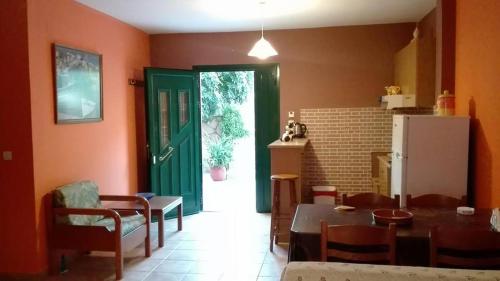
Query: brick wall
point(341, 142)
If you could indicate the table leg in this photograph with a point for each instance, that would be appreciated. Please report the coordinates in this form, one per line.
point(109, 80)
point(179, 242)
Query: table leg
point(291, 247)
point(179, 217)
point(161, 234)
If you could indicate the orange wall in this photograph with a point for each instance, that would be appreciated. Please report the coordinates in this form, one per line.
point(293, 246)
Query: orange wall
point(57, 154)
point(17, 215)
point(477, 90)
point(319, 67)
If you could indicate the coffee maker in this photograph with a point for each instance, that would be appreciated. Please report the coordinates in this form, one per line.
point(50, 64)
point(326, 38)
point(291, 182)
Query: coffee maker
point(299, 130)
point(288, 135)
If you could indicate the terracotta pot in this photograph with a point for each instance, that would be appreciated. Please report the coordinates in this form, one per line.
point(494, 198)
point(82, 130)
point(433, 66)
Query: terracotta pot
point(218, 173)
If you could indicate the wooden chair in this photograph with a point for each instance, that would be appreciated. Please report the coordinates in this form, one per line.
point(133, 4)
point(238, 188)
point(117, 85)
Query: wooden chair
point(77, 221)
point(358, 243)
point(435, 201)
point(464, 248)
point(370, 200)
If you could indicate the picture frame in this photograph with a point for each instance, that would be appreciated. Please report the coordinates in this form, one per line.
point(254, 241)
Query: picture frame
point(77, 85)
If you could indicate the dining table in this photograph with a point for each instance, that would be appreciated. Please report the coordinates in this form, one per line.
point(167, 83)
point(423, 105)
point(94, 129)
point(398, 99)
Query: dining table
point(412, 240)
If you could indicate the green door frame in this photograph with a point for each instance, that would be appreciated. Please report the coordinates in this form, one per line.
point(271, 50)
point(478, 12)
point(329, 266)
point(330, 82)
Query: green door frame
point(267, 119)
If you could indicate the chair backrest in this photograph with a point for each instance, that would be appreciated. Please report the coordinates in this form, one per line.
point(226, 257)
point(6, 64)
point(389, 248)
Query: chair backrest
point(371, 200)
point(464, 248)
point(435, 201)
point(83, 194)
point(358, 243)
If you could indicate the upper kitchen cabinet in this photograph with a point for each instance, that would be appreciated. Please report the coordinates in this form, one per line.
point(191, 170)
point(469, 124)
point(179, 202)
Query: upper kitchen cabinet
point(405, 68)
point(415, 67)
point(415, 64)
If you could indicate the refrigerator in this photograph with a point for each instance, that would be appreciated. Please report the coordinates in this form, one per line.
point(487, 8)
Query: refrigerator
point(429, 155)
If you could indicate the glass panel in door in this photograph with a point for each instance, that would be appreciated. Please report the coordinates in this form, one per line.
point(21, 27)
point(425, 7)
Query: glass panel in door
point(164, 128)
point(183, 97)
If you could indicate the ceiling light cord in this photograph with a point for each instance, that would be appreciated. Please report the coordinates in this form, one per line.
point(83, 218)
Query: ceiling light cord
point(261, 16)
point(262, 48)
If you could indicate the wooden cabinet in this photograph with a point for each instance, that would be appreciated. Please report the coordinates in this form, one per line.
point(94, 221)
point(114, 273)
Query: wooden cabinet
point(384, 175)
point(405, 69)
point(415, 65)
point(381, 173)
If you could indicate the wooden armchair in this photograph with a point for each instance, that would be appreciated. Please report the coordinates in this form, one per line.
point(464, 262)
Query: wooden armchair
point(464, 248)
point(77, 221)
point(358, 243)
point(370, 200)
point(435, 201)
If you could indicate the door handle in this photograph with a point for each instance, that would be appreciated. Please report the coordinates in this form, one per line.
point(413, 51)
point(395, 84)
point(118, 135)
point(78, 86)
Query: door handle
point(169, 153)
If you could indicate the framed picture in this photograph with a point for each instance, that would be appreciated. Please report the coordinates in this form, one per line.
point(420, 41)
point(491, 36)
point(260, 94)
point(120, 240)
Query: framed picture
point(78, 85)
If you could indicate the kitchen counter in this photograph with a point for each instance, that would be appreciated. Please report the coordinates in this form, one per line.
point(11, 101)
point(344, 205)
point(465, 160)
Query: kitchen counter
point(288, 158)
point(295, 143)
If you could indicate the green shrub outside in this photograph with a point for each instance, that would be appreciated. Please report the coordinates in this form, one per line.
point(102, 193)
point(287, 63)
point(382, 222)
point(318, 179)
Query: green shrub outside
point(232, 126)
point(221, 153)
point(221, 91)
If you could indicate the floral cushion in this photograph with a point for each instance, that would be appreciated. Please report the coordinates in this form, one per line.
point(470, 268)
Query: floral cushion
point(82, 194)
point(332, 271)
point(129, 223)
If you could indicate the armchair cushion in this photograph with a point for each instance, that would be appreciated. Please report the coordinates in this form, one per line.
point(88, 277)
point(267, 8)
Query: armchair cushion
point(83, 194)
point(129, 223)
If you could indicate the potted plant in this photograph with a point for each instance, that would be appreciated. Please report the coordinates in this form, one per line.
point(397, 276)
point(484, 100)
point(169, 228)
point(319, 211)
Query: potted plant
point(220, 154)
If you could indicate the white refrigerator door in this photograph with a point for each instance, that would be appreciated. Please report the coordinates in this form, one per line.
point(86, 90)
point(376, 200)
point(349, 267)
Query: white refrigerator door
point(399, 152)
point(398, 179)
point(437, 155)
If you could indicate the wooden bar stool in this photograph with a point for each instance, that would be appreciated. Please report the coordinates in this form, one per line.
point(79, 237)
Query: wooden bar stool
point(275, 211)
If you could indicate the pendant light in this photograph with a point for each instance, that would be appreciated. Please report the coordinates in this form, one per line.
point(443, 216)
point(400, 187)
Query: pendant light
point(262, 48)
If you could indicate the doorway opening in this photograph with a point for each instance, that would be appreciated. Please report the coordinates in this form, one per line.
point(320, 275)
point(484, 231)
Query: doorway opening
point(228, 140)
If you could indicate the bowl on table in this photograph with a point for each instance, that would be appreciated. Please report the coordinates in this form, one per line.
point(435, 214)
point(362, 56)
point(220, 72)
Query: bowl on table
point(387, 216)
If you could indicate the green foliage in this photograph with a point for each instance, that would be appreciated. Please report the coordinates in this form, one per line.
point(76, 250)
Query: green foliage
point(233, 86)
point(210, 99)
point(220, 92)
point(220, 89)
point(232, 126)
point(220, 153)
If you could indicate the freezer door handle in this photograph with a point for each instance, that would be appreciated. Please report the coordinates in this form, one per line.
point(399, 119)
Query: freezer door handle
point(399, 155)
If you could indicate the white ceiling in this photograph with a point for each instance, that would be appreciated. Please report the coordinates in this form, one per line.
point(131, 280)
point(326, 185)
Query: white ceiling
point(187, 16)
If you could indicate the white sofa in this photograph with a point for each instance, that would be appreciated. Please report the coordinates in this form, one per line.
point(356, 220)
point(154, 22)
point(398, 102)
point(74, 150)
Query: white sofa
point(331, 271)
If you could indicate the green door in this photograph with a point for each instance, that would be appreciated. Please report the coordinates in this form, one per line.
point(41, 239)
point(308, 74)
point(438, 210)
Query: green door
point(267, 129)
point(267, 122)
point(173, 131)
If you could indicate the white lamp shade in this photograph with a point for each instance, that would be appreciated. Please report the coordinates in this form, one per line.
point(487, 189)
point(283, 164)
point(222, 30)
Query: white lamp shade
point(262, 49)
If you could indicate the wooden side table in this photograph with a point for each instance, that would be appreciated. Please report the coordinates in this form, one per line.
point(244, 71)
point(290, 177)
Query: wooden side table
point(160, 205)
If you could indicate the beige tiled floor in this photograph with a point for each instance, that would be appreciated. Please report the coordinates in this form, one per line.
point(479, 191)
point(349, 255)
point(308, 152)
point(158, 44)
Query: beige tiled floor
point(213, 246)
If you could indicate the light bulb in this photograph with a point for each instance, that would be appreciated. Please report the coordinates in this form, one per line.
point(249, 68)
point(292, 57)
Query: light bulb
point(262, 49)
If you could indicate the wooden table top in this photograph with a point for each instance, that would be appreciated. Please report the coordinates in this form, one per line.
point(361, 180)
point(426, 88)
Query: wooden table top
point(157, 203)
point(296, 143)
point(308, 216)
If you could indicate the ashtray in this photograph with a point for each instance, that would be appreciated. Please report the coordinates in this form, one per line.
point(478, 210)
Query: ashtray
point(466, 211)
point(387, 216)
point(147, 195)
